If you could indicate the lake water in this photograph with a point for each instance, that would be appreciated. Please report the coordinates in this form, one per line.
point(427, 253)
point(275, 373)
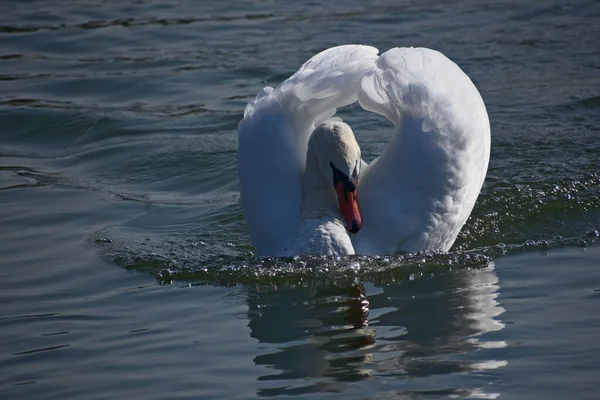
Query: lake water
point(125, 264)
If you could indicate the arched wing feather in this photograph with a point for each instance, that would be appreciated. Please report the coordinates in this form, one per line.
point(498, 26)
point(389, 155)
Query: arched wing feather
point(273, 138)
point(422, 189)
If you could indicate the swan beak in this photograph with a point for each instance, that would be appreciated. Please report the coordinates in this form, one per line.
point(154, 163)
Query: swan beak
point(348, 202)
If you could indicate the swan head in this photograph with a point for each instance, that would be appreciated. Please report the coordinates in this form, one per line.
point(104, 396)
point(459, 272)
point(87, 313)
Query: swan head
point(339, 160)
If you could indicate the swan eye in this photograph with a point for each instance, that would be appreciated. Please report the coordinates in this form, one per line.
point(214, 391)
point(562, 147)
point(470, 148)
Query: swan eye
point(340, 177)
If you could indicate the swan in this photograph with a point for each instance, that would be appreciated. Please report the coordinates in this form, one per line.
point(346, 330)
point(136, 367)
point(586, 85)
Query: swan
point(304, 186)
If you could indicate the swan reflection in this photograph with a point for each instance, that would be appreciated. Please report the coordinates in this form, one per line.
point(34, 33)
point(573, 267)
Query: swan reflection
point(318, 339)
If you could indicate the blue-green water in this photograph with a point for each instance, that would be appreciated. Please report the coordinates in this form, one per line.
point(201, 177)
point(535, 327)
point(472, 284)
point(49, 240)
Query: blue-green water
point(125, 264)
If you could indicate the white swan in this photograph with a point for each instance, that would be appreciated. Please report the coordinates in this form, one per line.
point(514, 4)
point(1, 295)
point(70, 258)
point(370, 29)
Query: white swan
point(299, 184)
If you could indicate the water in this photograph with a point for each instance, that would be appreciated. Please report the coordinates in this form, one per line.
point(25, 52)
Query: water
point(126, 266)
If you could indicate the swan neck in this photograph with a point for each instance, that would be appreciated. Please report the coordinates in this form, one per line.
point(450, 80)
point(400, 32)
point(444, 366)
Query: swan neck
point(318, 196)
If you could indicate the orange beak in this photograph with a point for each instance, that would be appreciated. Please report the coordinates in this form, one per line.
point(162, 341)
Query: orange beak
point(348, 202)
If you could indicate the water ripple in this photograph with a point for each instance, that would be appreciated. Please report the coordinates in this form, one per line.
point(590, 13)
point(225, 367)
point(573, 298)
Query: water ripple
point(171, 262)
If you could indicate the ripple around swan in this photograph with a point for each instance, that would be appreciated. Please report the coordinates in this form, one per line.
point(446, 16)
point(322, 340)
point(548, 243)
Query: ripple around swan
point(170, 262)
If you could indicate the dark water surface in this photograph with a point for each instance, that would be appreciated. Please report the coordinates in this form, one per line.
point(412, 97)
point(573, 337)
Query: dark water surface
point(125, 264)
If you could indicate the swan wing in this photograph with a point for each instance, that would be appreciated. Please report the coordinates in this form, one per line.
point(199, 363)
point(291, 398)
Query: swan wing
point(273, 139)
point(418, 194)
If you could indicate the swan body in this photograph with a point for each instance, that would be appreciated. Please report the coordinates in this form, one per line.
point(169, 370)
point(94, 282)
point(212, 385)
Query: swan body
point(305, 188)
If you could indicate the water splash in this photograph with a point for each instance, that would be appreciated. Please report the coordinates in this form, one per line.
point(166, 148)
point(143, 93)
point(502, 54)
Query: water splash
point(170, 261)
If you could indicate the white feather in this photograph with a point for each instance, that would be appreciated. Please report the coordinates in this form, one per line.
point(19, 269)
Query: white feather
point(416, 195)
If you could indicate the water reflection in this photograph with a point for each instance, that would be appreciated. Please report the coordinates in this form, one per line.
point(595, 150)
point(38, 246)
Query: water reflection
point(319, 339)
